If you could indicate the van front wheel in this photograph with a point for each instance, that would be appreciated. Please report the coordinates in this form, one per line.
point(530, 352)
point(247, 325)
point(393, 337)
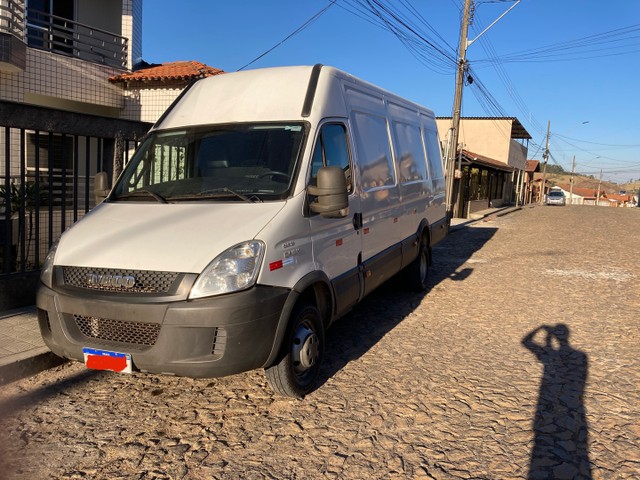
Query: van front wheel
point(295, 374)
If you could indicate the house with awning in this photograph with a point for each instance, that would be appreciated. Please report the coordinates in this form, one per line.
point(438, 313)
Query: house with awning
point(491, 162)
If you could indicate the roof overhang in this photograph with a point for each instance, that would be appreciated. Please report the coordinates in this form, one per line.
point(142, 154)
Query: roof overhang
point(470, 158)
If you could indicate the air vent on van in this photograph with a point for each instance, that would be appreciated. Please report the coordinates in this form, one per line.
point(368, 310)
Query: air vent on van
point(135, 333)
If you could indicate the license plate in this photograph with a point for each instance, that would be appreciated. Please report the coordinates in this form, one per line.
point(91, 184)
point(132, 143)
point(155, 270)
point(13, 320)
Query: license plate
point(105, 360)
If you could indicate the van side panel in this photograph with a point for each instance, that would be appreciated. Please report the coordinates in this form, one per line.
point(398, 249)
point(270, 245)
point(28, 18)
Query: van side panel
point(400, 177)
point(437, 210)
point(381, 207)
point(411, 161)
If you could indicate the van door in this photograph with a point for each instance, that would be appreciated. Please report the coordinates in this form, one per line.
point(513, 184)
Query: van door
point(337, 241)
point(381, 206)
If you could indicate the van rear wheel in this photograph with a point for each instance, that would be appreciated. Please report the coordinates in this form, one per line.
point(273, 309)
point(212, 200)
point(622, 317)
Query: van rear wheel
point(417, 273)
point(296, 372)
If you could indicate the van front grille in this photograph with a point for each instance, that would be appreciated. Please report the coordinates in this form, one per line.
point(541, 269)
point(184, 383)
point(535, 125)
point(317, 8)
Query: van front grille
point(122, 281)
point(135, 333)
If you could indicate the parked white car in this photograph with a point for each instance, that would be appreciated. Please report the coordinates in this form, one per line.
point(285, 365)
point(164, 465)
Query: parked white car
point(556, 197)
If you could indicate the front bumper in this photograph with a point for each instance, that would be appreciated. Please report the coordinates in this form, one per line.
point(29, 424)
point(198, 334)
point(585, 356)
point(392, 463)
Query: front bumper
point(208, 337)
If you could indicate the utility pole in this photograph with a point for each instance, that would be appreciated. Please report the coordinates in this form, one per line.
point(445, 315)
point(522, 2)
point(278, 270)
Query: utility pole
point(573, 170)
point(599, 185)
point(452, 146)
point(545, 156)
point(457, 107)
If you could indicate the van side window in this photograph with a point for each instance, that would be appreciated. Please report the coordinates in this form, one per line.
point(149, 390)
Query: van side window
point(410, 153)
point(374, 151)
point(433, 153)
point(331, 150)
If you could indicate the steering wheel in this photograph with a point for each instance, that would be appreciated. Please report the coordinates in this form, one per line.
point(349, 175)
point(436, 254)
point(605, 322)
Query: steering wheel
point(275, 173)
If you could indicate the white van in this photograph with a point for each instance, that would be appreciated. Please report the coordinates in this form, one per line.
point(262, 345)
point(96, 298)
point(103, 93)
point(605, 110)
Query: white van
point(259, 209)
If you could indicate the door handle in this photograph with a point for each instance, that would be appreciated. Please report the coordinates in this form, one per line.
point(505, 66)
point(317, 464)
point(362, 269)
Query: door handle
point(357, 221)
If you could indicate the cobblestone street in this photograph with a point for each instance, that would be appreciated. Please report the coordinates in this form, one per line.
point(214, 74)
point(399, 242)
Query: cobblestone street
point(522, 361)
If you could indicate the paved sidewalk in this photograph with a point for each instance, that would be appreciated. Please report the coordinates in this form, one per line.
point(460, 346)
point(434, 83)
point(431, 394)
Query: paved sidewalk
point(22, 351)
point(483, 215)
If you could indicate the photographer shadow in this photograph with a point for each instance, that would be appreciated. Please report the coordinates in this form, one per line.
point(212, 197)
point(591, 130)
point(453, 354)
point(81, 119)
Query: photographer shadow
point(560, 426)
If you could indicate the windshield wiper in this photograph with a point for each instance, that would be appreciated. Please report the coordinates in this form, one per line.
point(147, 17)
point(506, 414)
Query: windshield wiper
point(224, 192)
point(155, 195)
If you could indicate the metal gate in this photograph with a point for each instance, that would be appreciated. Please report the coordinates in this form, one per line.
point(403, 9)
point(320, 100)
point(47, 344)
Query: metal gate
point(46, 184)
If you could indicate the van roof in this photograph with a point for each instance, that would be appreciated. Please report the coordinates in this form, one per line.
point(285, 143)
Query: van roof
point(266, 95)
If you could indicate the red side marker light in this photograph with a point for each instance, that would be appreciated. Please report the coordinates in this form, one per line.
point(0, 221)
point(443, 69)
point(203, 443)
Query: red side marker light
point(275, 265)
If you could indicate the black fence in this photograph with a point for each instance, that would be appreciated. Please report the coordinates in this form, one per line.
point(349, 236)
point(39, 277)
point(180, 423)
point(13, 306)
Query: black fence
point(46, 185)
point(48, 161)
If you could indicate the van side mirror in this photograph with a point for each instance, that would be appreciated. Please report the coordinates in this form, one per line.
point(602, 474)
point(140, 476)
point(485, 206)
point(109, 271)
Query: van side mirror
point(100, 187)
point(333, 198)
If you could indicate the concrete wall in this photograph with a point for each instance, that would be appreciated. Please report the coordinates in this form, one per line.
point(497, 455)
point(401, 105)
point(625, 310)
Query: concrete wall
point(149, 103)
point(488, 137)
point(517, 155)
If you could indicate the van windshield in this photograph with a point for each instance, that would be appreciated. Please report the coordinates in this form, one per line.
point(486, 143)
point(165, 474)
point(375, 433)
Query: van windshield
point(240, 162)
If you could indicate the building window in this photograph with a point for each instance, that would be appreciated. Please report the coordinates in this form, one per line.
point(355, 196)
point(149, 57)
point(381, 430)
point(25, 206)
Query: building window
point(53, 152)
point(50, 25)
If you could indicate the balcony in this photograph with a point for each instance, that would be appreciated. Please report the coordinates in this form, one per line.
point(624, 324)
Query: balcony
point(12, 18)
point(13, 52)
point(66, 37)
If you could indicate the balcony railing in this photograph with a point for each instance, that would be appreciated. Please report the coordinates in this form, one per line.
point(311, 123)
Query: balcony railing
point(12, 18)
point(61, 35)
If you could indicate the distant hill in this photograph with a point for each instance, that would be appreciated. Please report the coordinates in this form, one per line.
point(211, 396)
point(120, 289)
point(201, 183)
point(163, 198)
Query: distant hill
point(583, 182)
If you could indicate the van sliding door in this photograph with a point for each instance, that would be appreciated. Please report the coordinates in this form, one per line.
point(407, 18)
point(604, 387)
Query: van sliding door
point(381, 207)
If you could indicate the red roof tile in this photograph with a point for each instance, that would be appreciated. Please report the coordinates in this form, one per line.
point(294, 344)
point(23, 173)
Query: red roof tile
point(532, 166)
point(167, 72)
point(582, 191)
point(619, 198)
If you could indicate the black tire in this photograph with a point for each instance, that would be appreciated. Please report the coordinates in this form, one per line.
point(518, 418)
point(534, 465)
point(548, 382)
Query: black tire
point(296, 372)
point(417, 273)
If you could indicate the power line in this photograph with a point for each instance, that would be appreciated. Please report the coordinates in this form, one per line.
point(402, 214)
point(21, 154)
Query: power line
point(312, 19)
point(509, 85)
point(579, 48)
point(408, 28)
point(596, 143)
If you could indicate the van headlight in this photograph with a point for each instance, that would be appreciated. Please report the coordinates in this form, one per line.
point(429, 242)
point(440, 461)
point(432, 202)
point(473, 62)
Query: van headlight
point(46, 273)
point(233, 270)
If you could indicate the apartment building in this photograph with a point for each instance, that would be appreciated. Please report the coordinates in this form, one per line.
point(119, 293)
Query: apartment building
point(61, 119)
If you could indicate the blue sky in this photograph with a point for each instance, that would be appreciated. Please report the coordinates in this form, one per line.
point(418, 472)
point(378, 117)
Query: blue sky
point(585, 85)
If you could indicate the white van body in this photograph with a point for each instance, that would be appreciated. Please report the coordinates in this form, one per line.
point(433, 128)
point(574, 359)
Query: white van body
point(207, 258)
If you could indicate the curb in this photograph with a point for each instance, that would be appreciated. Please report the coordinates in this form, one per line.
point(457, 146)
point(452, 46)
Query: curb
point(507, 211)
point(485, 218)
point(29, 365)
